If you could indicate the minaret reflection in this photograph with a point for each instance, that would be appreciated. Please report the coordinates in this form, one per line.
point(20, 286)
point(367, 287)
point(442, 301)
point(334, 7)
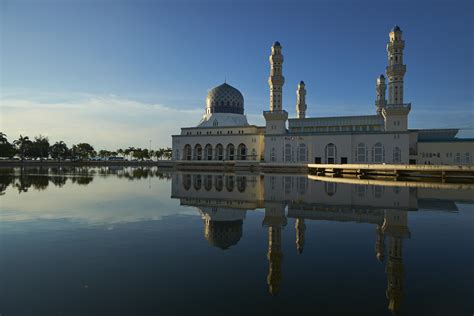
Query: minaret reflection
point(300, 227)
point(275, 220)
point(396, 228)
point(380, 244)
point(224, 199)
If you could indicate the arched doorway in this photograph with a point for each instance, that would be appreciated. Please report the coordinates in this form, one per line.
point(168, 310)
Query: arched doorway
point(208, 152)
point(219, 150)
point(242, 152)
point(187, 152)
point(230, 152)
point(197, 152)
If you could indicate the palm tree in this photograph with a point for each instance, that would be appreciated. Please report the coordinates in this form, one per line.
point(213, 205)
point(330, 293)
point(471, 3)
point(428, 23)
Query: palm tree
point(23, 144)
point(159, 153)
point(3, 138)
point(120, 151)
point(168, 152)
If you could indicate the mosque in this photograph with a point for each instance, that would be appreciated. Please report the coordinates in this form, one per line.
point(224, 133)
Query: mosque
point(383, 137)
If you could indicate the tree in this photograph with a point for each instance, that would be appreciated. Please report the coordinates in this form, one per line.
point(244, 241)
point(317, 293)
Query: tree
point(59, 150)
point(104, 153)
point(168, 153)
point(83, 150)
point(23, 145)
point(159, 153)
point(40, 147)
point(6, 149)
point(120, 151)
point(129, 151)
point(3, 138)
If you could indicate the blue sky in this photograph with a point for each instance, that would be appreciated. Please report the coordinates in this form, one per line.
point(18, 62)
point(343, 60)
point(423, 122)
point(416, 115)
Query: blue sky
point(121, 73)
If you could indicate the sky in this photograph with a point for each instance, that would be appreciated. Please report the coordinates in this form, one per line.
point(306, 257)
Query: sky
point(126, 73)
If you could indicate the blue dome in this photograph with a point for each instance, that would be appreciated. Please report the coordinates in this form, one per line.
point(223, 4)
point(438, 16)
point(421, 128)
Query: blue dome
point(225, 99)
point(277, 43)
point(396, 28)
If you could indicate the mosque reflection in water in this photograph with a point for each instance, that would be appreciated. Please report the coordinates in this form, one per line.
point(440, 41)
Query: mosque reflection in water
point(224, 199)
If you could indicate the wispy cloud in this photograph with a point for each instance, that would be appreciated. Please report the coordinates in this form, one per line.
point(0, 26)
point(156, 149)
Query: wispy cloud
point(104, 121)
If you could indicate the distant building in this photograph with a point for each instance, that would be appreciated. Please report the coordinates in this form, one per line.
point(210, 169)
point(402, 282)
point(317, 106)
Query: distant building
point(384, 137)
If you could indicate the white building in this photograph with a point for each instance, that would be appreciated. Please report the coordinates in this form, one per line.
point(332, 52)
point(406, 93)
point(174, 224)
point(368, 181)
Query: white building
point(225, 134)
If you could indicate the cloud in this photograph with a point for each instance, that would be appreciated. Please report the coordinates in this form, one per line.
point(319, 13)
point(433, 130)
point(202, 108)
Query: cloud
point(107, 122)
point(104, 201)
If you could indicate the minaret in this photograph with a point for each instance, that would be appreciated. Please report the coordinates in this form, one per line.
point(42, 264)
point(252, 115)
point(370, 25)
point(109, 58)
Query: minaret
point(380, 244)
point(274, 256)
point(276, 79)
point(275, 220)
point(395, 69)
point(395, 112)
point(380, 101)
point(301, 100)
point(395, 226)
point(300, 234)
point(275, 118)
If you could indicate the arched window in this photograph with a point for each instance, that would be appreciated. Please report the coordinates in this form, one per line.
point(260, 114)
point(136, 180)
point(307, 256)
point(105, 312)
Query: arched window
point(288, 184)
point(187, 152)
point(397, 155)
point(378, 153)
point(197, 152)
point(361, 153)
point(302, 185)
point(219, 183)
point(229, 183)
point(219, 152)
point(208, 152)
point(242, 152)
point(361, 190)
point(302, 153)
point(208, 182)
point(187, 182)
point(331, 153)
point(253, 156)
point(467, 158)
point(241, 183)
point(377, 191)
point(197, 182)
point(288, 153)
point(230, 152)
point(330, 188)
point(272, 155)
point(457, 158)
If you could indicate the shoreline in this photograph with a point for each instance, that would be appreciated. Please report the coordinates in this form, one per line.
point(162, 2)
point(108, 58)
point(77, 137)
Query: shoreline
point(50, 163)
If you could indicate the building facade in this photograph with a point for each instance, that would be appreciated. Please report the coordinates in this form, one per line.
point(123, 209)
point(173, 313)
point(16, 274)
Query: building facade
point(384, 137)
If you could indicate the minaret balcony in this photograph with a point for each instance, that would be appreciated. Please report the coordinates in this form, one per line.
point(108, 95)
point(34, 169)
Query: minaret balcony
point(276, 115)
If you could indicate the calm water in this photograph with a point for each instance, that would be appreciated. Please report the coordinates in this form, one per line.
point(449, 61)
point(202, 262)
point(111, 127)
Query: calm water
point(118, 241)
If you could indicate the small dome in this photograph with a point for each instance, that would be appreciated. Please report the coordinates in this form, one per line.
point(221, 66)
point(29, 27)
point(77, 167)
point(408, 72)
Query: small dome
point(224, 99)
point(396, 28)
point(382, 76)
point(277, 43)
point(302, 82)
point(223, 234)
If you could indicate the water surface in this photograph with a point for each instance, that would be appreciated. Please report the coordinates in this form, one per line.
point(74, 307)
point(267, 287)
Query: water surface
point(135, 241)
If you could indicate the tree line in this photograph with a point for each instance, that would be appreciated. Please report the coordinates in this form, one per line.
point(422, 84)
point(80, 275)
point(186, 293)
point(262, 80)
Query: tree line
point(40, 147)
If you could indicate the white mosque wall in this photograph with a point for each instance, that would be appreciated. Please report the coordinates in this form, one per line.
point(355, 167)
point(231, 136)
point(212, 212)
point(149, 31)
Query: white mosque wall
point(338, 148)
